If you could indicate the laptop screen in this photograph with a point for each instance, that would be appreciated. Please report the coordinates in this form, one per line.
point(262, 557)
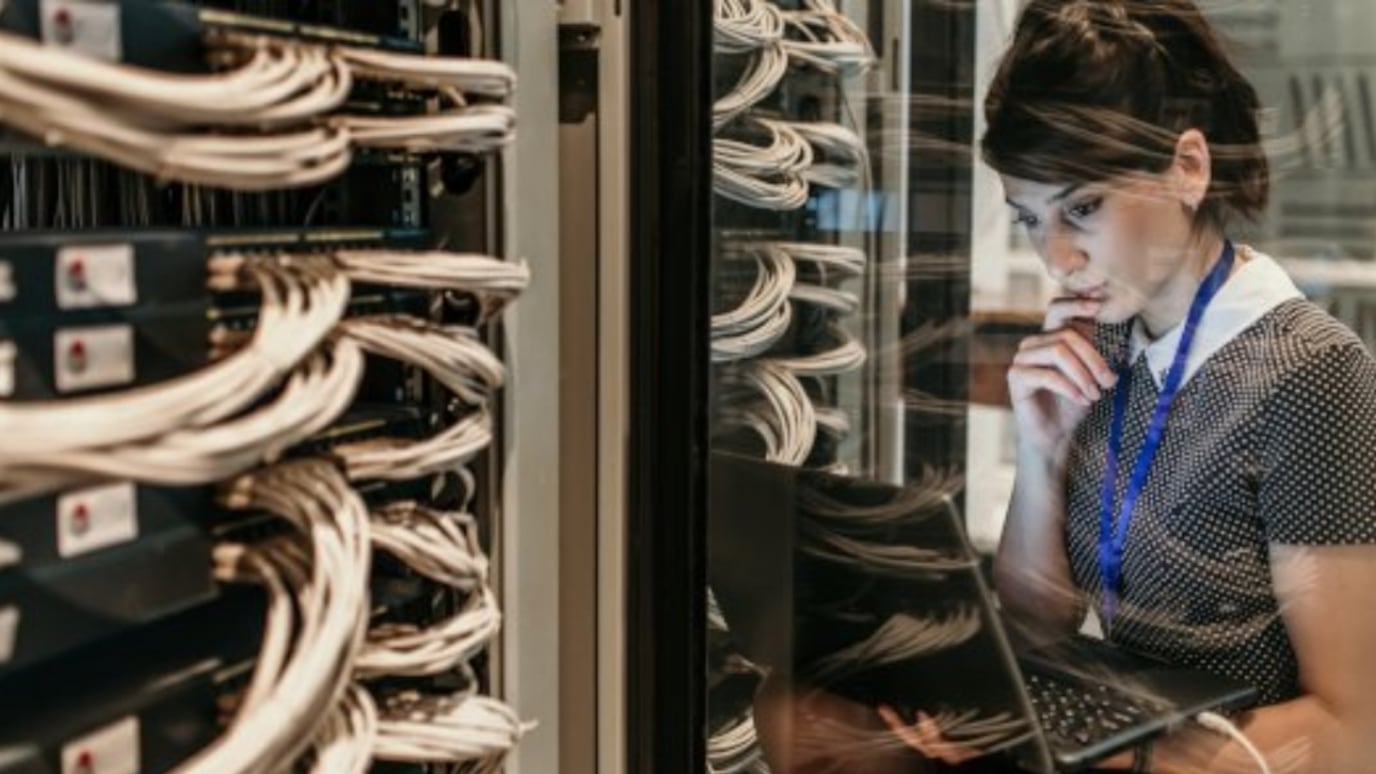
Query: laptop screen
point(867, 590)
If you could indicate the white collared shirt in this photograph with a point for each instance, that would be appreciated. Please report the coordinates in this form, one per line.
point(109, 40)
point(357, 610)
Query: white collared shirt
point(1255, 288)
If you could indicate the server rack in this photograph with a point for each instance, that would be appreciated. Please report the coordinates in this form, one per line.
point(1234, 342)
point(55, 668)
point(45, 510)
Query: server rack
point(129, 269)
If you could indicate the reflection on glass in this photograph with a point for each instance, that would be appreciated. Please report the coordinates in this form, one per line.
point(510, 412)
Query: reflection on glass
point(871, 288)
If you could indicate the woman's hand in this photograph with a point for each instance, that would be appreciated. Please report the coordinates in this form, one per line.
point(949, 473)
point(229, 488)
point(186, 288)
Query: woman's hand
point(925, 737)
point(1056, 376)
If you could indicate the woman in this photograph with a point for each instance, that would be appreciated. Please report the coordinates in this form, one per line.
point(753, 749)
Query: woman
point(1196, 455)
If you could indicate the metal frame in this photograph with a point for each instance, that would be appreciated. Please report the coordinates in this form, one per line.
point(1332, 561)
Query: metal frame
point(670, 196)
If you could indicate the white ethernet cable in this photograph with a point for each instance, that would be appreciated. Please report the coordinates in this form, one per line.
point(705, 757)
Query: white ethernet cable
point(827, 39)
point(345, 745)
point(847, 356)
point(327, 578)
point(834, 421)
point(735, 748)
point(431, 729)
point(758, 81)
point(1222, 725)
point(483, 77)
point(934, 490)
point(457, 360)
point(410, 651)
point(763, 317)
point(393, 459)
point(441, 545)
point(787, 151)
point(741, 26)
point(153, 122)
point(314, 396)
point(835, 299)
point(299, 309)
point(250, 163)
point(787, 421)
point(894, 560)
point(840, 158)
point(276, 82)
point(453, 355)
point(770, 176)
point(476, 129)
point(900, 638)
point(850, 261)
point(479, 275)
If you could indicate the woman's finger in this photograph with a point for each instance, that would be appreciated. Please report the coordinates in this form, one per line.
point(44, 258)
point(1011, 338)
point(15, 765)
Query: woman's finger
point(1064, 359)
point(1063, 310)
point(940, 747)
point(1025, 381)
point(1080, 346)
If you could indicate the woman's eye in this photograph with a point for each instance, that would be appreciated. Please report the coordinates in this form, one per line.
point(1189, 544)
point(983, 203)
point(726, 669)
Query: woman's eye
point(1026, 219)
point(1085, 209)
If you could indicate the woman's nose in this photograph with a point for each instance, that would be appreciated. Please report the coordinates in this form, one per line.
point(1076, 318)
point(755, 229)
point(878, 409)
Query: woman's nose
point(1063, 256)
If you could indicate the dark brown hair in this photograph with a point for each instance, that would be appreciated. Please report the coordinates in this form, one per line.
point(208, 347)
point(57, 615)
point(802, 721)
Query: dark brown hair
point(1092, 89)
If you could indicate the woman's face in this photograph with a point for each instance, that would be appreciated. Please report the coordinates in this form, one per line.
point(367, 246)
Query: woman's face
point(1121, 241)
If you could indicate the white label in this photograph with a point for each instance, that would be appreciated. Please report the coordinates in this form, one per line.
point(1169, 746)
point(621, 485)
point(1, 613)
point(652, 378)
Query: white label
point(9, 631)
point(8, 292)
point(95, 275)
point(8, 354)
point(95, 518)
point(100, 356)
point(113, 749)
point(88, 26)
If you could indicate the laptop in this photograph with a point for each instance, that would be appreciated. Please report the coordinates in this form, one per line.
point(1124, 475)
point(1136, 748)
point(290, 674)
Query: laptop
point(872, 592)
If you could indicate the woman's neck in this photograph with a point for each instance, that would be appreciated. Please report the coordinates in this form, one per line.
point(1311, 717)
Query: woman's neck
point(1171, 304)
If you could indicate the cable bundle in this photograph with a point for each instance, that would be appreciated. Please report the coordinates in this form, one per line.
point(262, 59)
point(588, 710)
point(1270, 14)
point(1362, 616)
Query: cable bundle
point(735, 748)
point(317, 586)
point(846, 356)
point(314, 396)
point(742, 26)
point(767, 67)
point(345, 745)
point(827, 39)
point(880, 558)
point(448, 74)
point(300, 306)
point(457, 360)
point(273, 81)
point(476, 129)
point(157, 123)
point(763, 317)
point(784, 420)
point(407, 650)
point(442, 546)
point(840, 159)
point(415, 728)
point(150, 122)
point(766, 176)
point(848, 261)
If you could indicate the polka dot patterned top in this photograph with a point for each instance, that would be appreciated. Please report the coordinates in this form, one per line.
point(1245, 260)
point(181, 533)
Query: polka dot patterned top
point(1272, 442)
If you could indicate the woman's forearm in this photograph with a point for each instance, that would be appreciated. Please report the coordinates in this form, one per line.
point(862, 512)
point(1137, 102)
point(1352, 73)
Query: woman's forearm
point(1298, 737)
point(1031, 570)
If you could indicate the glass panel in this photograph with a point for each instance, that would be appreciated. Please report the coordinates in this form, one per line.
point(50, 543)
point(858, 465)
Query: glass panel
point(870, 291)
point(840, 288)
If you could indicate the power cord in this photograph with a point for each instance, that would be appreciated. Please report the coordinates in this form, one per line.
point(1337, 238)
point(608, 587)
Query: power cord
point(1219, 724)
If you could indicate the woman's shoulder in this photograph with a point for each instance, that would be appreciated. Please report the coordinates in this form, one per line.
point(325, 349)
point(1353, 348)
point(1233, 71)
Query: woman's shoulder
point(1304, 352)
point(1299, 333)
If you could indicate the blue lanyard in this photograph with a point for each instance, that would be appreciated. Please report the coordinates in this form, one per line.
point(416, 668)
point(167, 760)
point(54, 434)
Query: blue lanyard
point(1112, 538)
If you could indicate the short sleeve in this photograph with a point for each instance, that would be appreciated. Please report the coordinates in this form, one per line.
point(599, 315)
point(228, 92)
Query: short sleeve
point(1318, 484)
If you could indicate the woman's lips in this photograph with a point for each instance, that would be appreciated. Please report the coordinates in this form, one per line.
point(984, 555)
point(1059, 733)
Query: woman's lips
point(1093, 294)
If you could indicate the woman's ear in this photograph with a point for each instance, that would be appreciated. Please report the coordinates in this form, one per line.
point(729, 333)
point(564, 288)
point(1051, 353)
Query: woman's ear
point(1192, 169)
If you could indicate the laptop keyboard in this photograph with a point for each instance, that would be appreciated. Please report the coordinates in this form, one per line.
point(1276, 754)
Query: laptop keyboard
point(1078, 715)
